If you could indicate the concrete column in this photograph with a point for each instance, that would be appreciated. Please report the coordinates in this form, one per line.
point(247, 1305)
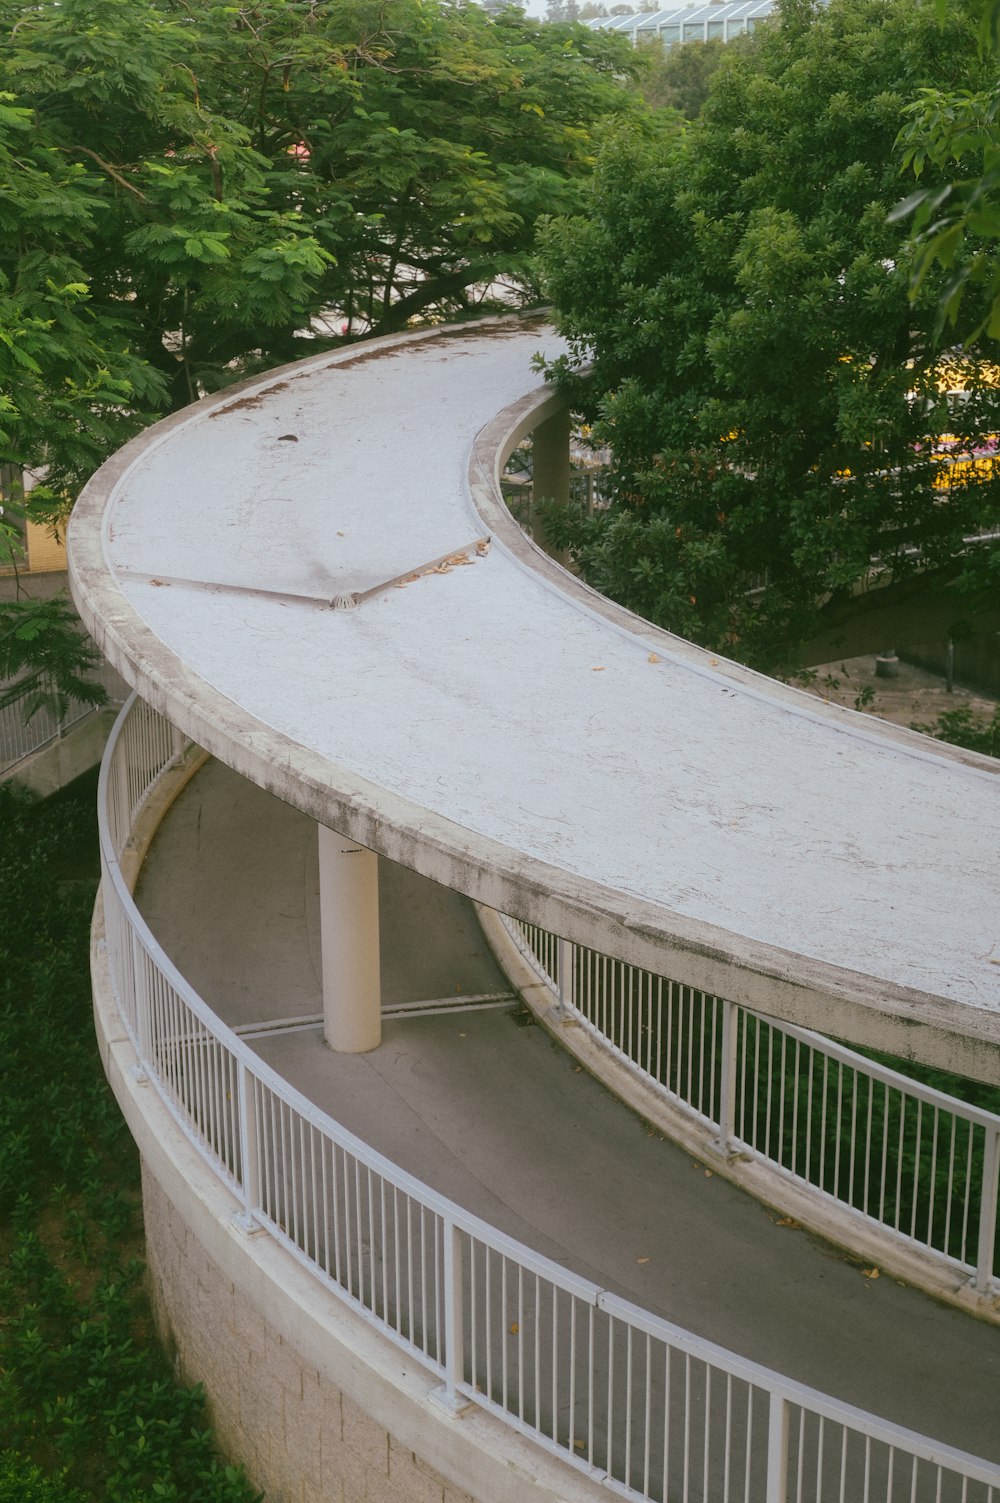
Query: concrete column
point(348, 901)
point(550, 458)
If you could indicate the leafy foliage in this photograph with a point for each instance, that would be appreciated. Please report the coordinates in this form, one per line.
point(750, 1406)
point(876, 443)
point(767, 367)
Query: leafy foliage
point(23, 1482)
point(767, 387)
point(678, 78)
point(187, 186)
point(963, 727)
point(193, 190)
point(944, 128)
point(45, 658)
point(84, 1391)
point(956, 224)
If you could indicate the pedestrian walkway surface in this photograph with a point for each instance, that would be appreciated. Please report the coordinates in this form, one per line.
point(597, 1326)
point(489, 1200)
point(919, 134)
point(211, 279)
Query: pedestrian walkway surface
point(484, 718)
point(486, 1108)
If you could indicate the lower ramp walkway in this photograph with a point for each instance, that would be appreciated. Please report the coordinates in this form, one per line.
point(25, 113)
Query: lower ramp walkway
point(491, 1112)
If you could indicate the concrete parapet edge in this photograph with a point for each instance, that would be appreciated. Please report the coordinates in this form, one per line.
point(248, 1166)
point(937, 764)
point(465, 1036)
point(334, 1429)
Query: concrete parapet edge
point(854, 1235)
point(475, 1453)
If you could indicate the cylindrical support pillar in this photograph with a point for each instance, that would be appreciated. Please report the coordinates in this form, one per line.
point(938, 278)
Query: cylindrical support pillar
point(352, 989)
point(550, 458)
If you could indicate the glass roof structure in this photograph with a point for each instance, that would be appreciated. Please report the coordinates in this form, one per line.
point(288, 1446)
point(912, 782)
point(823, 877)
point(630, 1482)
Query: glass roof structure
point(688, 23)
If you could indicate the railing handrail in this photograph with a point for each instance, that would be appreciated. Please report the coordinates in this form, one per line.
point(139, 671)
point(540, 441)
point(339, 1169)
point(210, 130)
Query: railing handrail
point(932, 1095)
point(780, 1388)
point(553, 961)
point(834, 1049)
point(434, 1201)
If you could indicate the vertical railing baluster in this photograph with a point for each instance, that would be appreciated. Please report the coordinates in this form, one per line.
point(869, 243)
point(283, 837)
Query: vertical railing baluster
point(140, 979)
point(567, 991)
point(727, 1079)
point(777, 1450)
point(988, 1211)
point(454, 1323)
point(249, 1162)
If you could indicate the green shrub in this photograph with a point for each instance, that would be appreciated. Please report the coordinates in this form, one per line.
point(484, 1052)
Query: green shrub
point(85, 1391)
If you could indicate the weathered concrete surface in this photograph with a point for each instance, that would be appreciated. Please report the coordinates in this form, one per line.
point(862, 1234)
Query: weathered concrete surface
point(493, 1114)
point(500, 728)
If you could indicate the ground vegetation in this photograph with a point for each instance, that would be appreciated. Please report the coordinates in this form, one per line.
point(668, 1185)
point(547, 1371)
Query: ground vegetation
point(89, 1408)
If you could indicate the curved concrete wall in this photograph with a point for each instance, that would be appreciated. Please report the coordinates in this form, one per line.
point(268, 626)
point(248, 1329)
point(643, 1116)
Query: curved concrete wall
point(318, 1406)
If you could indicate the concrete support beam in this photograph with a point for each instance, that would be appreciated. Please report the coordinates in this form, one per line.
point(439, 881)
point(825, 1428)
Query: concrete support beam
point(349, 935)
point(550, 450)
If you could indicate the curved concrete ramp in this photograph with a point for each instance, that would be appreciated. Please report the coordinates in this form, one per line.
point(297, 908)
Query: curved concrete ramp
point(484, 1108)
point(295, 573)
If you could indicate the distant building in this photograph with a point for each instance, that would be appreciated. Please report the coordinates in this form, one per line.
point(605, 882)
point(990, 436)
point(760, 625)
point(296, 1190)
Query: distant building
point(688, 23)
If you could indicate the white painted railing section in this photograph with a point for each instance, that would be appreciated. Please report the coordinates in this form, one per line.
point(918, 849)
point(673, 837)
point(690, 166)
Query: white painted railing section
point(887, 1150)
point(649, 1410)
point(20, 739)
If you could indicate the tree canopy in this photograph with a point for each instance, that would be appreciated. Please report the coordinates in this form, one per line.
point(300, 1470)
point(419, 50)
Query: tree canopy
point(957, 222)
point(192, 190)
point(770, 392)
point(187, 186)
point(678, 78)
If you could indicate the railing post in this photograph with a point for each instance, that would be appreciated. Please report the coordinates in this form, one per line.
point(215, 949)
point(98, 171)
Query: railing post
point(566, 988)
point(988, 1212)
point(140, 992)
point(448, 1395)
point(727, 1079)
point(249, 1160)
point(120, 800)
point(777, 1450)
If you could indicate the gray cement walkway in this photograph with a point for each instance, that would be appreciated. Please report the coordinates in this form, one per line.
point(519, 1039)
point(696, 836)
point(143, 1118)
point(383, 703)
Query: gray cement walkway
point(492, 1113)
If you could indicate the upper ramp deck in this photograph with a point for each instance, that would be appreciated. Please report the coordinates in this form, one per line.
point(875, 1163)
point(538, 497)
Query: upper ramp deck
point(511, 734)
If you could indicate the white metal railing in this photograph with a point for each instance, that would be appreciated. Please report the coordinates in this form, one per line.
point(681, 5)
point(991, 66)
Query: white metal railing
point(912, 1160)
point(19, 739)
point(638, 1404)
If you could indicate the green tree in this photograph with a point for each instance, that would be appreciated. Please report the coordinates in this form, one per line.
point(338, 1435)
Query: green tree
point(678, 78)
point(956, 224)
point(193, 183)
point(193, 190)
point(765, 382)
